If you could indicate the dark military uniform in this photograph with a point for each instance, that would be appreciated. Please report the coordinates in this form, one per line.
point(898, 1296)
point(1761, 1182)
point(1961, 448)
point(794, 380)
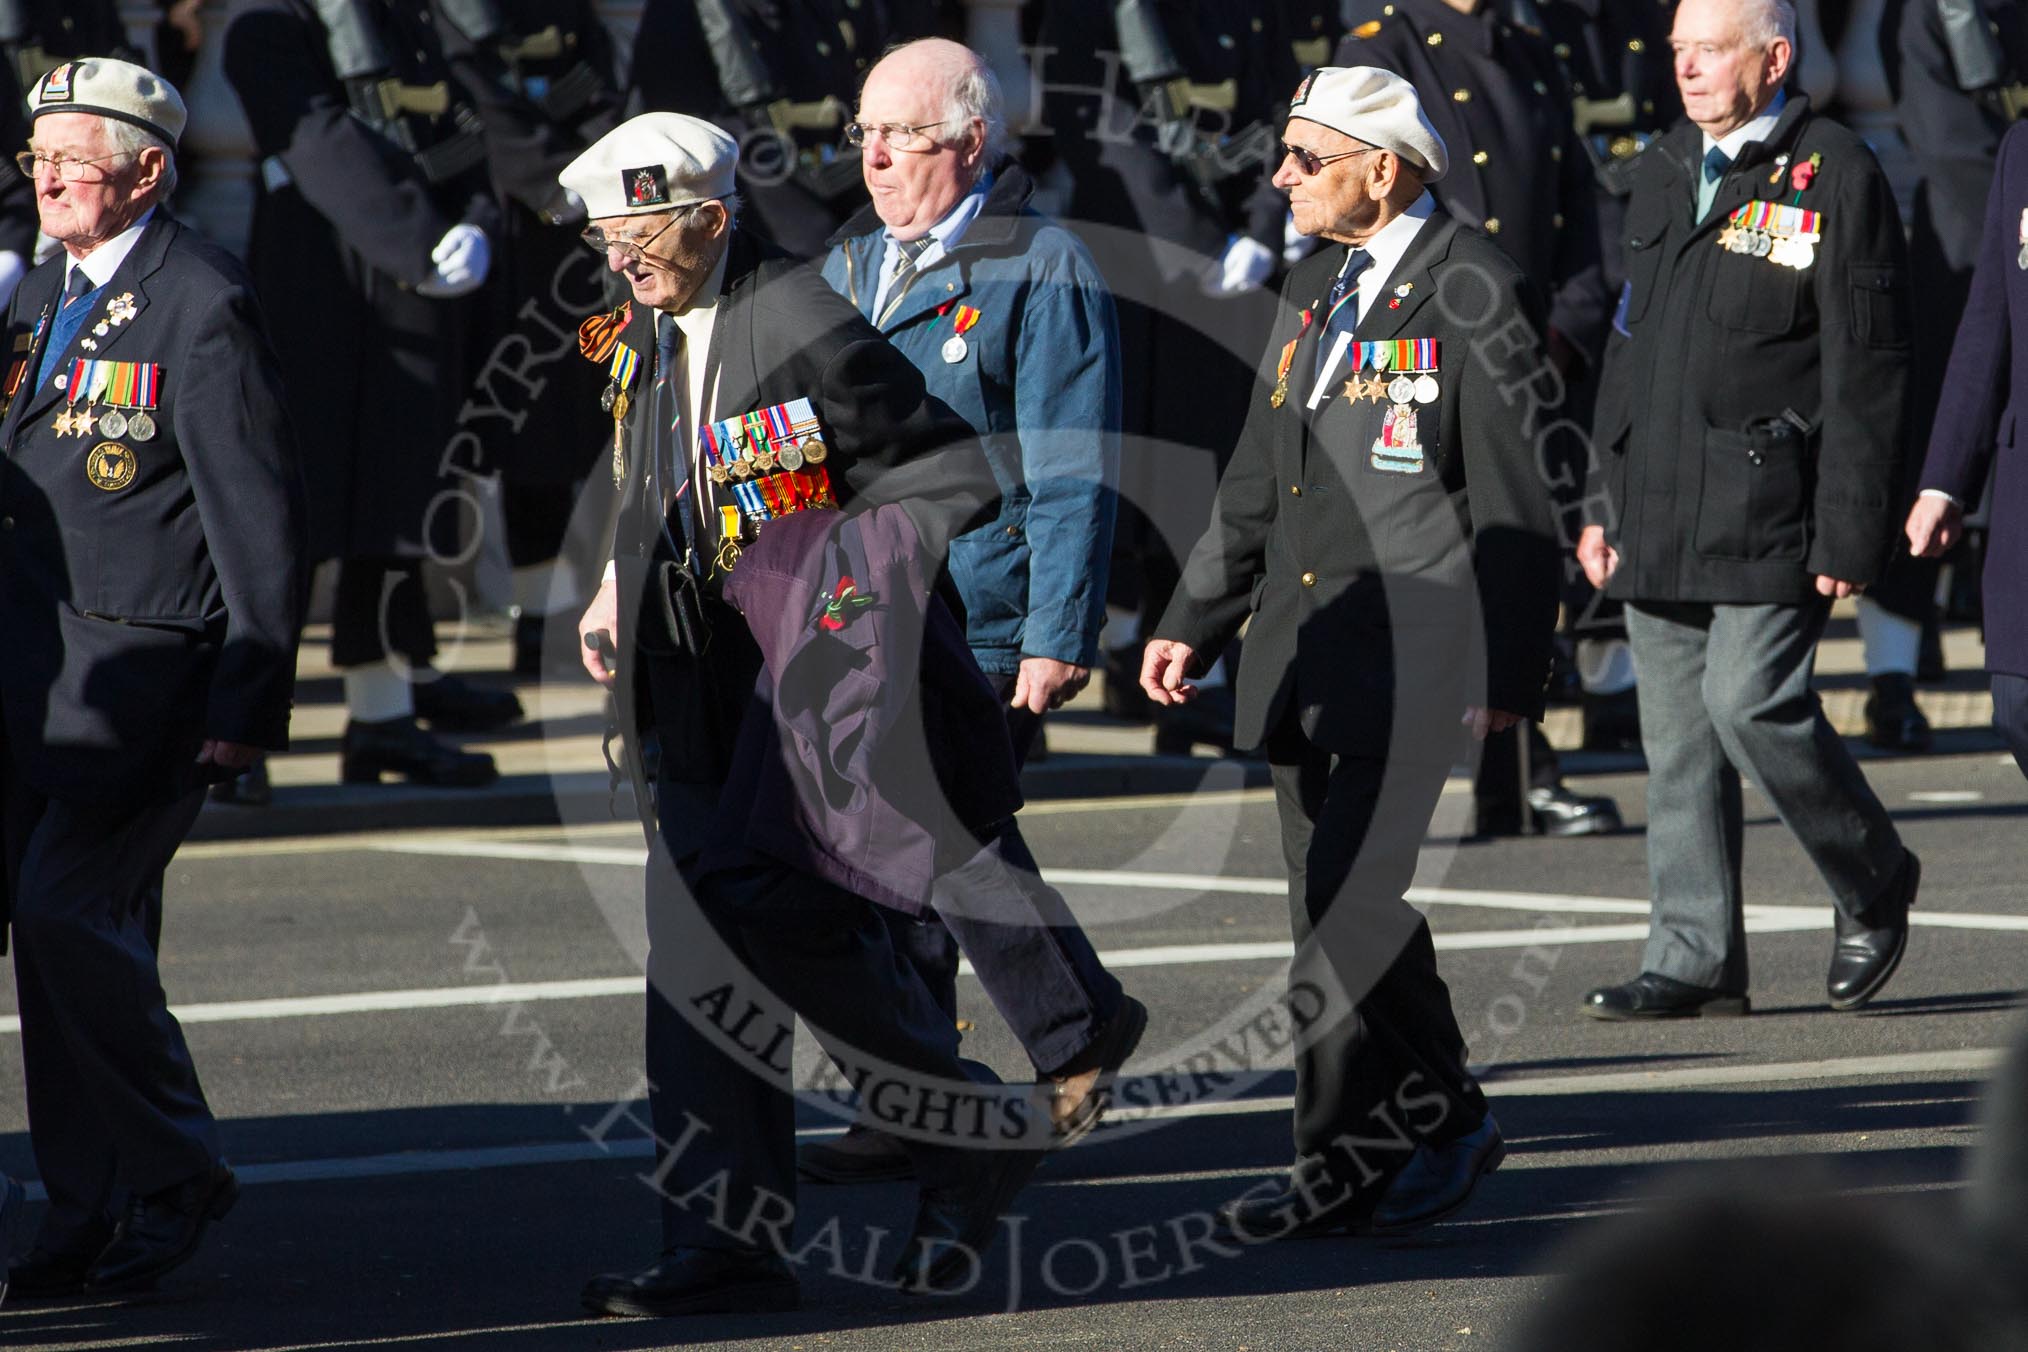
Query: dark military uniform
point(1170, 134)
point(783, 77)
point(372, 151)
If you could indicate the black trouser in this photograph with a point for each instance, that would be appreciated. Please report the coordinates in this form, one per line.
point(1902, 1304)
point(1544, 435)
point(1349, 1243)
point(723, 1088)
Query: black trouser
point(381, 608)
point(114, 1102)
point(1383, 1047)
point(2010, 714)
point(1030, 954)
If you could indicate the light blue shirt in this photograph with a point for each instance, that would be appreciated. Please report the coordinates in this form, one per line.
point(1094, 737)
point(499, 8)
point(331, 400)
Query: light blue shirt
point(944, 234)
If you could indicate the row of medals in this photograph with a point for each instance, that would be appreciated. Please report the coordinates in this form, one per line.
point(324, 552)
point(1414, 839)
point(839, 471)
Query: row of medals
point(111, 423)
point(766, 460)
point(1791, 251)
point(1402, 389)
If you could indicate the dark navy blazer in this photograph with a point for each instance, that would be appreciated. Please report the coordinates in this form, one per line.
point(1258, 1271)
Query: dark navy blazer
point(143, 617)
point(1985, 398)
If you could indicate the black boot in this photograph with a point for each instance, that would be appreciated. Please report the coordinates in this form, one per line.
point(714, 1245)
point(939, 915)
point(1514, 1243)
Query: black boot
point(1612, 722)
point(397, 746)
point(1893, 720)
point(251, 789)
point(453, 704)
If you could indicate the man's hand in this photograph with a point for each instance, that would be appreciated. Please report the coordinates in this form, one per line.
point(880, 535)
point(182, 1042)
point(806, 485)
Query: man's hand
point(461, 260)
point(601, 619)
point(1484, 722)
point(1164, 664)
point(1837, 587)
point(1045, 683)
point(231, 755)
point(1934, 525)
point(1598, 559)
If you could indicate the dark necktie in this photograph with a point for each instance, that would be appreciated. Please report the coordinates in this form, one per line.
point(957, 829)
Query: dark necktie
point(1716, 162)
point(1341, 312)
point(908, 257)
point(70, 317)
point(672, 466)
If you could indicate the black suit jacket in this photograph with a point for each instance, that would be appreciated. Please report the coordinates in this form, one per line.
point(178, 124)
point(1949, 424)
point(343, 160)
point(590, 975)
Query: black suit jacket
point(141, 620)
point(781, 334)
point(1382, 602)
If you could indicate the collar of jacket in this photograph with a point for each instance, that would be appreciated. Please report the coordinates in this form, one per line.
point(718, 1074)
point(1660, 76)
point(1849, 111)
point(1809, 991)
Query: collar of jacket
point(1685, 146)
point(996, 222)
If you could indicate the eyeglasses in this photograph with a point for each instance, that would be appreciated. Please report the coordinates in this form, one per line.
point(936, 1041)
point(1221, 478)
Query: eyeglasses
point(1309, 161)
point(897, 136)
point(634, 253)
point(68, 169)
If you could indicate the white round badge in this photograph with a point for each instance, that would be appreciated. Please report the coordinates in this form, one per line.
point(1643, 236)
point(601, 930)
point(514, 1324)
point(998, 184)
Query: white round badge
point(955, 349)
point(1426, 389)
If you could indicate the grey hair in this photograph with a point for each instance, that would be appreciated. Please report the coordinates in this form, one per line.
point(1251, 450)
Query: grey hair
point(130, 139)
point(1762, 21)
point(975, 92)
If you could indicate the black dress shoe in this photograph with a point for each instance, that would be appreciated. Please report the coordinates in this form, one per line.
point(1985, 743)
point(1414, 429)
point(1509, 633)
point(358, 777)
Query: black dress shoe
point(453, 704)
point(397, 746)
point(12, 1199)
point(161, 1231)
point(1868, 949)
point(1326, 1206)
point(1612, 722)
point(1439, 1180)
point(955, 1223)
point(250, 788)
point(1894, 722)
point(862, 1155)
point(698, 1281)
point(1653, 996)
point(1559, 812)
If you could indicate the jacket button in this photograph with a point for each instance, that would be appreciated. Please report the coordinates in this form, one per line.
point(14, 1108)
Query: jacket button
point(1461, 96)
point(1436, 39)
point(1295, 490)
point(1309, 579)
point(1493, 225)
point(1480, 157)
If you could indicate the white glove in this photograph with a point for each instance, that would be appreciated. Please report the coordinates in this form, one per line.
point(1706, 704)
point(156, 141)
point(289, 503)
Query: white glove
point(13, 267)
point(461, 257)
point(1245, 266)
point(1296, 246)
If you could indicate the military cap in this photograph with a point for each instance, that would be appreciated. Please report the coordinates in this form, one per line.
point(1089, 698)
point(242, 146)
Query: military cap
point(1377, 107)
point(654, 162)
point(103, 87)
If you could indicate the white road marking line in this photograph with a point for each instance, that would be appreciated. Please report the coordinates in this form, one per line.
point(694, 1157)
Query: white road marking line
point(1947, 796)
point(1778, 1074)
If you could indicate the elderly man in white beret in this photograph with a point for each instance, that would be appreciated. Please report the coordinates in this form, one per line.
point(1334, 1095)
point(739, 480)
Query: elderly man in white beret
point(745, 391)
point(151, 588)
point(1385, 528)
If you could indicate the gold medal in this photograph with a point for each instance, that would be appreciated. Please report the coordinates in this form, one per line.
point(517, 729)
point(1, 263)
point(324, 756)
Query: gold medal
point(1281, 394)
point(620, 406)
point(813, 450)
point(63, 422)
point(83, 422)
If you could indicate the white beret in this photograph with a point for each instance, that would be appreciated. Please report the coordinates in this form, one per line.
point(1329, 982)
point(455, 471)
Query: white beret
point(1377, 107)
point(652, 163)
point(109, 88)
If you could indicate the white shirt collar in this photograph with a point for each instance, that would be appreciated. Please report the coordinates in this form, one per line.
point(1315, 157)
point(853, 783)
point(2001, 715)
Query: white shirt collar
point(1757, 129)
point(101, 263)
point(1388, 247)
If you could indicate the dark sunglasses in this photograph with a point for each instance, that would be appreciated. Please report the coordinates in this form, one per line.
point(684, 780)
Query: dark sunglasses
point(1309, 162)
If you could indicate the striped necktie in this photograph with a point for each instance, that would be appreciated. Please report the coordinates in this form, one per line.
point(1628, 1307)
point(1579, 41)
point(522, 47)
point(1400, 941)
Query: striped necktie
point(1342, 314)
point(672, 465)
point(908, 260)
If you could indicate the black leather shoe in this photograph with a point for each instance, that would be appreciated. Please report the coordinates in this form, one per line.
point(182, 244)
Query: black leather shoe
point(453, 704)
point(12, 1199)
point(1559, 812)
point(1894, 722)
point(1612, 722)
point(250, 789)
point(955, 1223)
point(1327, 1206)
point(1867, 950)
point(698, 1281)
point(42, 1274)
point(397, 746)
point(1653, 996)
point(161, 1231)
point(1082, 1090)
point(1439, 1181)
point(862, 1155)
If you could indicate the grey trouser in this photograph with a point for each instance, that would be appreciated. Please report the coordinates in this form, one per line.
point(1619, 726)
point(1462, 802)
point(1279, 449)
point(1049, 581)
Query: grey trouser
point(1725, 690)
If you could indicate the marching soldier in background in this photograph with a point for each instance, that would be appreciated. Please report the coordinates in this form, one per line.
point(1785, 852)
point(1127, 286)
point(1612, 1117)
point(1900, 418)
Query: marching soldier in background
point(1620, 72)
point(782, 78)
point(559, 58)
point(383, 124)
point(151, 592)
point(17, 194)
point(1165, 113)
point(1959, 73)
point(1494, 92)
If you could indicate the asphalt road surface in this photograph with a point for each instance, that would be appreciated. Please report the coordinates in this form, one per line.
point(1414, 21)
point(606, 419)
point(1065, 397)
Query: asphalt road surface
point(425, 1049)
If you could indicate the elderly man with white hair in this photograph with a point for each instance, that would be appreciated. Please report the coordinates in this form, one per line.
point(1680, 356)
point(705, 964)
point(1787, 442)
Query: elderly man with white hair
point(151, 588)
point(1751, 425)
point(1385, 533)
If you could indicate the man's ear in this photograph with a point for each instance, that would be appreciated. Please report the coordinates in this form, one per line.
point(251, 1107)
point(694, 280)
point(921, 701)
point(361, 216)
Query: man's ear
point(153, 164)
